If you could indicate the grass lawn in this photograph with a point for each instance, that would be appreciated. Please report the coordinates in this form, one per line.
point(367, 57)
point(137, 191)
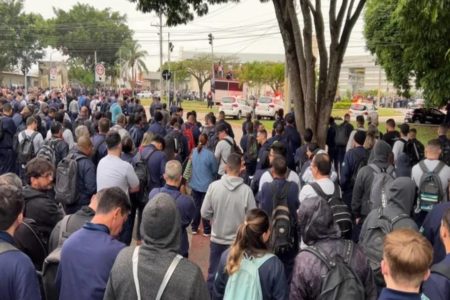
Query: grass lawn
point(382, 112)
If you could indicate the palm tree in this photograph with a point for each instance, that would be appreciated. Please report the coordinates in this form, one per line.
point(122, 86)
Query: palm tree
point(132, 61)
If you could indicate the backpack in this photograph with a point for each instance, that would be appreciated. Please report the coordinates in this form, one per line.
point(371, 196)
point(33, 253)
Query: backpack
point(414, 150)
point(362, 162)
point(66, 179)
point(341, 137)
point(48, 150)
point(174, 139)
point(141, 170)
point(252, 148)
point(372, 241)
point(381, 182)
point(282, 238)
point(189, 134)
point(445, 154)
point(234, 147)
point(51, 263)
point(431, 191)
point(26, 151)
point(212, 140)
point(340, 282)
point(245, 283)
point(341, 213)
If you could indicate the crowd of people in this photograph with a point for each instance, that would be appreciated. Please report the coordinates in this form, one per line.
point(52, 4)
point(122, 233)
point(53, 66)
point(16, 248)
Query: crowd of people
point(98, 199)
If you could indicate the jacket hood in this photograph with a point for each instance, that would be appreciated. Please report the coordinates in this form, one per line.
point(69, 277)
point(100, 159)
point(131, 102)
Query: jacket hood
point(316, 221)
point(380, 154)
point(231, 182)
point(161, 224)
point(402, 194)
point(30, 193)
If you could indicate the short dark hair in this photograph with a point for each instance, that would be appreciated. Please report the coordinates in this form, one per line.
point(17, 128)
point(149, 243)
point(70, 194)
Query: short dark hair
point(279, 165)
point(323, 164)
point(404, 128)
point(127, 144)
point(360, 119)
point(11, 205)
point(234, 161)
point(38, 166)
point(59, 116)
point(390, 123)
point(31, 120)
point(279, 129)
point(158, 116)
point(308, 135)
point(159, 139)
point(413, 130)
point(112, 139)
point(290, 119)
point(112, 198)
point(278, 148)
point(103, 125)
point(56, 127)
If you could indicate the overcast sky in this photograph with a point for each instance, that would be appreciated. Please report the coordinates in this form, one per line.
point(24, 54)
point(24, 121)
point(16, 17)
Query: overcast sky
point(245, 27)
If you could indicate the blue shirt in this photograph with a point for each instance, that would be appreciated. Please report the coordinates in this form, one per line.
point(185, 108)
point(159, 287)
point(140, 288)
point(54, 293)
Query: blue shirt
point(186, 208)
point(157, 129)
point(87, 257)
point(430, 229)
point(388, 294)
point(156, 165)
point(115, 110)
point(204, 169)
point(437, 286)
point(18, 276)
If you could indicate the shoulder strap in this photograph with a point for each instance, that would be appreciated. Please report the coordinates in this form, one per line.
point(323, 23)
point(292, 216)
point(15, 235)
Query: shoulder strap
point(63, 228)
point(348, 251)
point(320, 255)
point(261, 260)
point(375, 168)
point(5, 247)
point(441, 269)
point(439, 167)
point(148, 155)
point(135, 260)
point(33, 135)
point(316, 187)
point(36, 236)
point(228, 142)
point(423, 166)
point(168, 274)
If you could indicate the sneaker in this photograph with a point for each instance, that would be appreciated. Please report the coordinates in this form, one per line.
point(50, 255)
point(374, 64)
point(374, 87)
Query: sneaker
point(206, 234)
point(194, 232)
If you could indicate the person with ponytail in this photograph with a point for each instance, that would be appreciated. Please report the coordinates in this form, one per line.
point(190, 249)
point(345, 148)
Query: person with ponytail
point(204, 171)
point(251, 244)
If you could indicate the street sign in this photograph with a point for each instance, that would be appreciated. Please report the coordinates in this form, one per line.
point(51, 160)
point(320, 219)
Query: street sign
point(99, 73)
point(53, 73)
point(166, 75)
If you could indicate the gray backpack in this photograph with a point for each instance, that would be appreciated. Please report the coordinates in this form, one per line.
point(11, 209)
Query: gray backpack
point(382, 180)
point(47, 151)
point(66, 179)
point(26, 149)
point(431, 191)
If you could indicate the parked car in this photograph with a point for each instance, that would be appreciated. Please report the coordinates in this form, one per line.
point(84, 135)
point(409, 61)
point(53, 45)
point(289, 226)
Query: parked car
point(144, 95)
point(268, 107)
point(235, 107)
point(361, 109)
point(424, 115)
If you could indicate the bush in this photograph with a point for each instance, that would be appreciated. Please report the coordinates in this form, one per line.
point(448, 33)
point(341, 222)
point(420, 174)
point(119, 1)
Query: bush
point(342, 105)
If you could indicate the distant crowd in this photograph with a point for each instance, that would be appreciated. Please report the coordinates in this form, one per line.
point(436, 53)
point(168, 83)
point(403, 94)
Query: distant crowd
point(99, 197)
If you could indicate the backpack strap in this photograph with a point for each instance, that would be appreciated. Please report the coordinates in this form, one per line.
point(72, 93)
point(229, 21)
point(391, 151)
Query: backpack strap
point(135, 261)
point(423, 167)
point(375, 168)
point(5, 247)
point(348, 251)
point(316, 187)
point(282, 192)
point(441, 269)
point(63, 228)
point(36, 236)
point(168, 275)
point(439, 167)
point(261, 260)
point(316, 251)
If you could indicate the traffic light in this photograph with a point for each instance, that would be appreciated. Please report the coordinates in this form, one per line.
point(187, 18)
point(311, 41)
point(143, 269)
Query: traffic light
point(210, 38)
point(171, 46)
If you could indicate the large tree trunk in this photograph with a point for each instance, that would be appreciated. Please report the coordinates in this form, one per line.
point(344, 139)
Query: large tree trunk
point(313, 103)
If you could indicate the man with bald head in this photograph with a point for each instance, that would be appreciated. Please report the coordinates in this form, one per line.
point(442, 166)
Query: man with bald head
point(86, 174)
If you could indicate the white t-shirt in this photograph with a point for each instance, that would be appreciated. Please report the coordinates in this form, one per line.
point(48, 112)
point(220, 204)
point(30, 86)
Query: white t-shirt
point(267, 178)
point(326, 184)
point(398, 147)
point(113, 171)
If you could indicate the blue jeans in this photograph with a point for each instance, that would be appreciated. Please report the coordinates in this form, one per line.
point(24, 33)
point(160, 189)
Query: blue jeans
point(215, 252)
point(198, 199)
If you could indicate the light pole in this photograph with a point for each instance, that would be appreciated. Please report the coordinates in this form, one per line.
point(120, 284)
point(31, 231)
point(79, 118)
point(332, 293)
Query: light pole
point(169, 50)
point(213, 91)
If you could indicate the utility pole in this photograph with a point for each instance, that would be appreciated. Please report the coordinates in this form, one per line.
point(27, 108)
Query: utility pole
point(211, 39)
point(160, 53)
point(169, 50)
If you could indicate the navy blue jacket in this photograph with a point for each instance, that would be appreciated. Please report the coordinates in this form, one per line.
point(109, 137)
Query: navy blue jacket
point(437, 286)
point(263, 156)
point(18, 279)
point(430, 229)
point(9, 129)
point(99, 147)
point(186, 208)
point(156, 165)
point(293, 137)
point(157, 129)
point(388, 294)
point(271, 276)
point(351, 161)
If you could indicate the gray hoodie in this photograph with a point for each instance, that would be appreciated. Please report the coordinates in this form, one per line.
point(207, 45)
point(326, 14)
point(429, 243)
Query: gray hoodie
point(161, 234)
point(226, 203)
point(363, 184)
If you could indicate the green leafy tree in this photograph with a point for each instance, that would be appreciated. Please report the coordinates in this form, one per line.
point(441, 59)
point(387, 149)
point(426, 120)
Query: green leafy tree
point(200, 68)
point(133, 62)
point(256, 74)
point(179, 72)
point(312, 103)
point(411, 42)
point(78, 73)
point(84, 30)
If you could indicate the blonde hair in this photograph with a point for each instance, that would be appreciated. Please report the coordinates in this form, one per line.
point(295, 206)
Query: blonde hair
point(147, 139)
point(249, 239)
point(409, 255)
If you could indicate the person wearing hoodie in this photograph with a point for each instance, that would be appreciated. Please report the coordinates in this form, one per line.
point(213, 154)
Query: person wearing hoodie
point(226, 203)
point(382, 158)
point(161, 230)
point(318, 229)
point(40, 204)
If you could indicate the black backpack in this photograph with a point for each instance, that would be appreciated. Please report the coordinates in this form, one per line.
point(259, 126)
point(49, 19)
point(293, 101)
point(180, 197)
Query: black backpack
point(341, 213)
point(431, 191)
point(415, 151)
point(51, 263)
point(372, 241)
point(341, 137)
point(26, 151)
point(234, 147)
point(362, 162)
point(445, 154)
point(283, 227)
point(252, 148)
point(141, 170)
point(66, 179)
point(340, 282)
